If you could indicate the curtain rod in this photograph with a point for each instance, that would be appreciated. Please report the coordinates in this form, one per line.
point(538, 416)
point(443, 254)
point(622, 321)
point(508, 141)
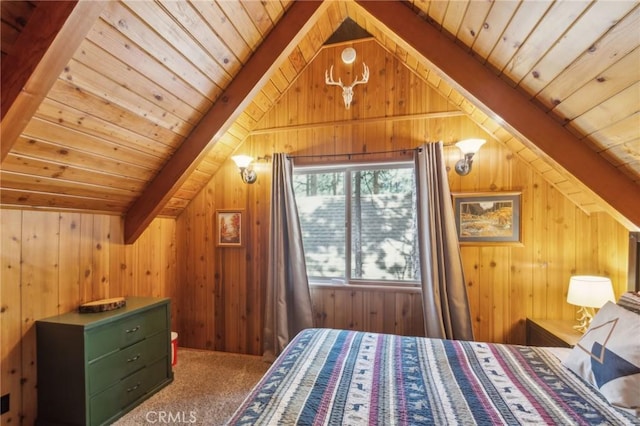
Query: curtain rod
point(350, 154)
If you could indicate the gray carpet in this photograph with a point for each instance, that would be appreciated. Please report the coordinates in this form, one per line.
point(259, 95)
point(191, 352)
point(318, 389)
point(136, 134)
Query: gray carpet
point(206, 390)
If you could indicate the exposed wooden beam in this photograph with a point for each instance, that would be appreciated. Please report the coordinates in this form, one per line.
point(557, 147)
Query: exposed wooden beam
point(278, 44)
point(44, 47)
point(505, 104)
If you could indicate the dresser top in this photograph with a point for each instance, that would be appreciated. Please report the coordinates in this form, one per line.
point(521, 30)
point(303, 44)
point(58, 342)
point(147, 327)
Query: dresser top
point(133, 305)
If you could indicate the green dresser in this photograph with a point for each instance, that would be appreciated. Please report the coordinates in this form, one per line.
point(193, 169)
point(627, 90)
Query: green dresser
point(94, 367)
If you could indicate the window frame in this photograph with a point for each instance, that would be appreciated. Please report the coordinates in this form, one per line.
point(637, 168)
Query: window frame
point(349, 169)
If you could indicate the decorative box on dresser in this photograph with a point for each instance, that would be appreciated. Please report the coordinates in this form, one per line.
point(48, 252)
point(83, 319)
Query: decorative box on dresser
point(94, 367)
point(550, 332)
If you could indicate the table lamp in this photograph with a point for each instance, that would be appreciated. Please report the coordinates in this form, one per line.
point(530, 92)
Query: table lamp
point(588, 292)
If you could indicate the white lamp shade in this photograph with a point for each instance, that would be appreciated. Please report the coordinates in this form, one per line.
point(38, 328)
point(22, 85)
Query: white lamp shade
point(242, 161)
point(590, 291)
point(470, 146)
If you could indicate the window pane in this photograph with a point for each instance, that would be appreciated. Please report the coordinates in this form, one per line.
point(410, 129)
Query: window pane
point(321, 207)
point(383, 225)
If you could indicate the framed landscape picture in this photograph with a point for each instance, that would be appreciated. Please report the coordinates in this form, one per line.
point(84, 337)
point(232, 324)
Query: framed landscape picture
point(487, 218)
point(230, 228)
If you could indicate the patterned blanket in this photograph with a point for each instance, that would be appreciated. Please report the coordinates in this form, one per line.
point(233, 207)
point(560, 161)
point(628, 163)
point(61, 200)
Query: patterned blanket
point(339, 377)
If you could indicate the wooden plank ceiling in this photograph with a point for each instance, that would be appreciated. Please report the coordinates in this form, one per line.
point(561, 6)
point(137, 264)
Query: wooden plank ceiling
point(134, 106)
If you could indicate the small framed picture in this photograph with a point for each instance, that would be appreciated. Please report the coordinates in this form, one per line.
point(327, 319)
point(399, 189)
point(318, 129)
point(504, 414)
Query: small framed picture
point(487, 218)
point(230, 228)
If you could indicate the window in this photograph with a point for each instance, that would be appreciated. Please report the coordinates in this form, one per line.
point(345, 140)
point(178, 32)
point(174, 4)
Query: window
point(359, 223)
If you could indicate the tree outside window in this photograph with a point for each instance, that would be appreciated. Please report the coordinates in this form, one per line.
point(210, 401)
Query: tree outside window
point(359, 223)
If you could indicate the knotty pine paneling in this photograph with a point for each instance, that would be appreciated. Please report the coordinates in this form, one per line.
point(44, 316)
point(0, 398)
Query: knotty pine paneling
point(365, 309)
point(51, 263)
point(222, 289)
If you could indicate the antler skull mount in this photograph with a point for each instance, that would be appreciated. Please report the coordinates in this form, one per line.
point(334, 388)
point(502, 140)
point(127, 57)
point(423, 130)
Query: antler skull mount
point(347, 91)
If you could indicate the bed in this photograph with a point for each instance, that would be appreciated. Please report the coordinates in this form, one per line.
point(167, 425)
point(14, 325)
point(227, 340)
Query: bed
point(345, 377)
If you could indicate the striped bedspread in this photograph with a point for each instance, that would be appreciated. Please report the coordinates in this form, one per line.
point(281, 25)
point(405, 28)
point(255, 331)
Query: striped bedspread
point(339, 377)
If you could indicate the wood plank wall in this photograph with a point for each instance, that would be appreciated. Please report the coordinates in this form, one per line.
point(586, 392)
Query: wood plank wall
point(223, 288)
point(51, 263)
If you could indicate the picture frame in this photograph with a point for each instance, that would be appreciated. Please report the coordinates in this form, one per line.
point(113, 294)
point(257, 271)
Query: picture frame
point(229, 225)
point(488, 218)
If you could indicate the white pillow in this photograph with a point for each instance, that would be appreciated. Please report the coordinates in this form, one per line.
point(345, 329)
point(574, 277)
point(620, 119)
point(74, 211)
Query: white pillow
point(608, 356)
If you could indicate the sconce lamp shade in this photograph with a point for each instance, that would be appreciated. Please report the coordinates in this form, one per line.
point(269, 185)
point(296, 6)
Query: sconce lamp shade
point(242, 161)
point(246, 171)
point(590, 291)
point(470, 146)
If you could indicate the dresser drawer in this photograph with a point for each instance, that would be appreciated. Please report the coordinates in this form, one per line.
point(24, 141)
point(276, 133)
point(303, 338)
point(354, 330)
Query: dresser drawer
point(115, 399)
point(109, 370)
point(125, 332)
point(93, 368)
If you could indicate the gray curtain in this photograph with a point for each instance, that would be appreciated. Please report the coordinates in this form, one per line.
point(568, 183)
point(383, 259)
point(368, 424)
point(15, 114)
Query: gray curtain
point(444, 296)
point(288, 300)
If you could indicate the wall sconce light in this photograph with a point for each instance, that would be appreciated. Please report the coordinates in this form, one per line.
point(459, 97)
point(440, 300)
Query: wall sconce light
point(588, 292)
point(246, 171)
point(469, 147)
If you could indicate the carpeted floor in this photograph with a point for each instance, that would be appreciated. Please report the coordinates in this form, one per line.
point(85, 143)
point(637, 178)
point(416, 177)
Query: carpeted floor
point(206, 390)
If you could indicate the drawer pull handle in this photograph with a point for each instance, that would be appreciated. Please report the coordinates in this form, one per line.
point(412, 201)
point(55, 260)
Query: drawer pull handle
point(135, 358)
point(133, 330)
point(131, 389)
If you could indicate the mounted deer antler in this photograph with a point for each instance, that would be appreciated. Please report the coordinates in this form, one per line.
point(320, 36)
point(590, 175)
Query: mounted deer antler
point(347, 91)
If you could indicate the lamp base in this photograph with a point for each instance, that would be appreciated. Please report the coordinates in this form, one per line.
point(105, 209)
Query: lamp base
point(463, 165)
point(585, 315)
point(248, 175)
